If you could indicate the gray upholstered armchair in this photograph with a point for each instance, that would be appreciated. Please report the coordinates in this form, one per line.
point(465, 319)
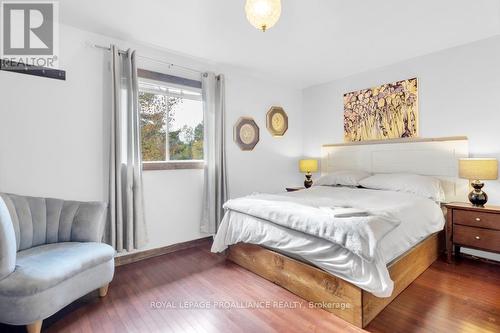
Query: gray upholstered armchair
point(50, 255)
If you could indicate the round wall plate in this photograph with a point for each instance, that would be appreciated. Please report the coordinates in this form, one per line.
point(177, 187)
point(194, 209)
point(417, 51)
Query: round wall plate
point(277, 121)
point(246, 133)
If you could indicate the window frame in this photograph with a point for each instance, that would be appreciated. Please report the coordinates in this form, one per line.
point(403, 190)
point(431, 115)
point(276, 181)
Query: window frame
point(175, 164)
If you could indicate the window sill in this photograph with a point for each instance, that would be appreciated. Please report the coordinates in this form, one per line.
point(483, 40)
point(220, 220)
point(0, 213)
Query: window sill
point(172, 165)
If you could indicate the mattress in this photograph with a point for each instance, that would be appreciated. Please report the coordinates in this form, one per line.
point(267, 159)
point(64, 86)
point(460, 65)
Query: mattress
point(419, 218)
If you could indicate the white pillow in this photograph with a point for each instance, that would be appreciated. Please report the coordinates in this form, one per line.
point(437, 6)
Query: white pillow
point(344, 177)
point(425, 186)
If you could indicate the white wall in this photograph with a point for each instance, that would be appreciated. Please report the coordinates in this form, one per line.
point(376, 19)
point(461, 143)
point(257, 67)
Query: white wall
point(53, 136)
point(458, 95)
point(51, 131)
point(273, 164)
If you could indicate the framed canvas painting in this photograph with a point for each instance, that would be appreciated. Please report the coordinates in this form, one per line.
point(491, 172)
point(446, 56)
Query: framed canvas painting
point(389, 111)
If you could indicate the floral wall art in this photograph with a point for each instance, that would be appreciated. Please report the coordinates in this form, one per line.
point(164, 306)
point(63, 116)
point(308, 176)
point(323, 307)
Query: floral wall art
point(388, 111)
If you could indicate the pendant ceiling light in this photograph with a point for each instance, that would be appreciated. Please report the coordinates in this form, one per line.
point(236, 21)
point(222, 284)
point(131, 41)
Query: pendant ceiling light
point(263, 14)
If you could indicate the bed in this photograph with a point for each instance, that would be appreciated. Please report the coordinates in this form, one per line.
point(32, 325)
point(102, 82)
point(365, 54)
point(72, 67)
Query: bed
point(353, 274)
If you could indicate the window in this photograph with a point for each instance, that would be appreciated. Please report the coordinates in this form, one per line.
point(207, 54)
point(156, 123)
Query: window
point(171, 118)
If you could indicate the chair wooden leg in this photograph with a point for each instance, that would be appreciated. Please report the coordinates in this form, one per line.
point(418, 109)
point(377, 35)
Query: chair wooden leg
point(103, 291)
point(35, 327)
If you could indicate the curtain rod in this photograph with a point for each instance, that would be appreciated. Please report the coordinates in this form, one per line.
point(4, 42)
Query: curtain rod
point(169, 64)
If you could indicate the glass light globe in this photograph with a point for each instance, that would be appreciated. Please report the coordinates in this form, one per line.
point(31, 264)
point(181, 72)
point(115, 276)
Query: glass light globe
point(263, 14)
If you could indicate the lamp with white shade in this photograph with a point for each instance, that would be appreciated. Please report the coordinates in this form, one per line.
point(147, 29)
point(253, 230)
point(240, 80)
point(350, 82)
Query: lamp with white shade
point(476, 170)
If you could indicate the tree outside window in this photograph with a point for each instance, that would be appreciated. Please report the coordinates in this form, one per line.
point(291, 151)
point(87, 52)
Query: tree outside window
point(177, 116)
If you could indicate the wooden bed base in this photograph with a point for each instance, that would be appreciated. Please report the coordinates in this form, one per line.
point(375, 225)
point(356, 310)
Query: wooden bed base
point(331, 293)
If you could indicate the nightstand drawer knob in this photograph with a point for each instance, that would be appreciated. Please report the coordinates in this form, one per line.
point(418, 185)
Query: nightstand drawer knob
point(478, 219)
point(478, 238)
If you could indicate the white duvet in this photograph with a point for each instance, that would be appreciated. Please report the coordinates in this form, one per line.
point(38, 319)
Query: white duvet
point(349, 232)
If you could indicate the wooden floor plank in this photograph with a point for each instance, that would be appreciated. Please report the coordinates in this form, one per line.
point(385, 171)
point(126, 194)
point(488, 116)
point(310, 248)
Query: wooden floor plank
point(461, 297)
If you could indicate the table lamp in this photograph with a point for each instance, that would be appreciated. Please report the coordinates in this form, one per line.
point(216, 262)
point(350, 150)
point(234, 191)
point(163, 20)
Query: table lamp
point(475, 170)
point(308, 166)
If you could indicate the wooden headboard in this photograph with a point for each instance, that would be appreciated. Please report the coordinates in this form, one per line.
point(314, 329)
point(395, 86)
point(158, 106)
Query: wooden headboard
point(437, 157)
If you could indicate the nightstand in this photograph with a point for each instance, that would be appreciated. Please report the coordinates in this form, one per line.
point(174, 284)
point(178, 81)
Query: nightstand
point(293, 189)
point(474, 227)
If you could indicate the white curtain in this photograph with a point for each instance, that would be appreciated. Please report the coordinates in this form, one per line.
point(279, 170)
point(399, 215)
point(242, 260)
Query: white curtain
point(127, 229)
point(215, 191)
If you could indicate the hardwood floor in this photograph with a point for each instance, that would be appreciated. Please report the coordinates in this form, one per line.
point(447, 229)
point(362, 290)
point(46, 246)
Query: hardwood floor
point(463, 297)
point(460, 297)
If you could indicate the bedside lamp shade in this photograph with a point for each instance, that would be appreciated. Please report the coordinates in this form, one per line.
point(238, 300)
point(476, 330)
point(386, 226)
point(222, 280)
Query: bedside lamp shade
point(478, 168)
point(307, 166)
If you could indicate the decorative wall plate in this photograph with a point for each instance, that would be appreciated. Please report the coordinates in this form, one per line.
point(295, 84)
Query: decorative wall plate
point(246, 133)
point(277, 121)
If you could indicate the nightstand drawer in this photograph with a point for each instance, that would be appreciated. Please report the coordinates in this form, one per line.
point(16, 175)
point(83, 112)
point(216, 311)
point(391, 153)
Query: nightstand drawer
point(476, 219)
point(486, 239)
